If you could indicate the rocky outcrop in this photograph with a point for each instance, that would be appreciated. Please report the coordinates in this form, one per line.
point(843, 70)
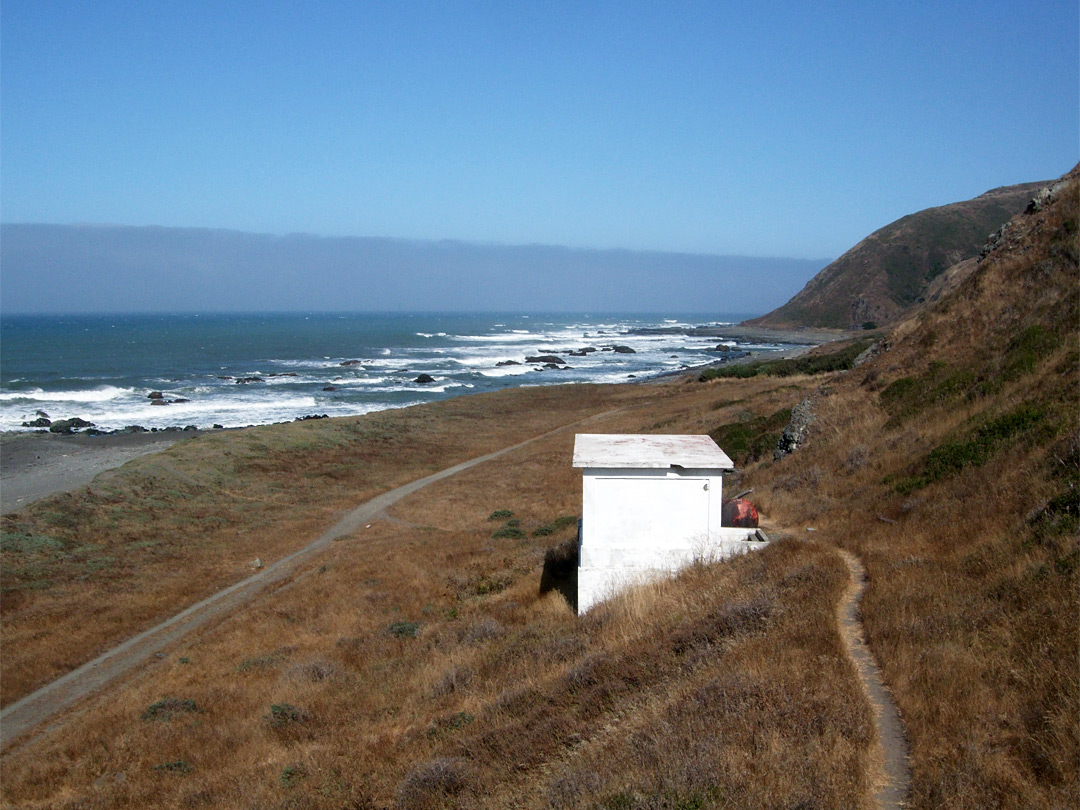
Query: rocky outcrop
point(424, 379)
point(623, 350)
point(797, 430)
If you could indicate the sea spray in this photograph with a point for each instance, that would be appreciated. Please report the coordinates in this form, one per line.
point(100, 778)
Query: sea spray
point(236, 370)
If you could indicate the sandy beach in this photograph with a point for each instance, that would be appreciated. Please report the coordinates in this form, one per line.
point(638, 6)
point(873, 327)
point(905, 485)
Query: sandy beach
point(33, 465)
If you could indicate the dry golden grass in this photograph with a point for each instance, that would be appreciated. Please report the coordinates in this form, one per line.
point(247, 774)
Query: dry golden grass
point(961, 496)
point(502, 697)
point(192, 519)
point(416, 664)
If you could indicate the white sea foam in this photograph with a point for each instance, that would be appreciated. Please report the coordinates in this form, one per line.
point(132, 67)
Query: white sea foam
point(379, 375)
point(106, 393)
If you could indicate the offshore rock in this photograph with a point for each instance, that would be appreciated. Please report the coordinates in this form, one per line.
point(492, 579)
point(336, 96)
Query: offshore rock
point(424, 379)
point(69, 425)
point(623, 350)
point(545, 358)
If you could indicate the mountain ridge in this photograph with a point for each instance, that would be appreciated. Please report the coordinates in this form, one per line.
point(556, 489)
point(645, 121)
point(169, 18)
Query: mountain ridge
point(887, 274)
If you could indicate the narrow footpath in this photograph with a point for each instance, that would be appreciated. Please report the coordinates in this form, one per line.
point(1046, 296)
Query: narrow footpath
point(895, 782)
point(19, 719)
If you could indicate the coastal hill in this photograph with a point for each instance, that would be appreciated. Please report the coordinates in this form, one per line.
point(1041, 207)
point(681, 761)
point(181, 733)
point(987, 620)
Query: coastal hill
point(889, 272)
point(417, 664)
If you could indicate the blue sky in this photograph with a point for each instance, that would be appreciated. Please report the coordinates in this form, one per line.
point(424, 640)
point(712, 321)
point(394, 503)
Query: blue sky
point(765, 129)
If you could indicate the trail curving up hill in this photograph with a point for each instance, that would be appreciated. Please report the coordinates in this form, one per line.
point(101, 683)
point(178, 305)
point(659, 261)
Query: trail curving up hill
point(895, 783)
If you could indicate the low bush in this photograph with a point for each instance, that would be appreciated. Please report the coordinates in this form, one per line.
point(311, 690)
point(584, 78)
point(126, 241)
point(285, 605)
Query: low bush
point(839, 360)
point(177, 766)
point(283, 714)
point(746, 442)
point(982, 445)
point(165, 708)
point(404, 629)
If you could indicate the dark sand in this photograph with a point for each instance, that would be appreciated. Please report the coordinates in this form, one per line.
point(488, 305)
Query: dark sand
point(33, 465)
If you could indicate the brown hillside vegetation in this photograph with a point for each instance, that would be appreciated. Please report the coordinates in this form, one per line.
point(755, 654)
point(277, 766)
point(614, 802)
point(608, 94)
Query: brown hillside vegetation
point(416, 664)
point(950, 464)
point(891, 271)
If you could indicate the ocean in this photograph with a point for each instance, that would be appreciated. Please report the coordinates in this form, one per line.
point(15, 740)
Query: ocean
point(251, 369)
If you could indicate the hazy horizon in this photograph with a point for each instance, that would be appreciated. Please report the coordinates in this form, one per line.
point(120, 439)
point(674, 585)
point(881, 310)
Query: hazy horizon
point(563, 145)
point(58, 269)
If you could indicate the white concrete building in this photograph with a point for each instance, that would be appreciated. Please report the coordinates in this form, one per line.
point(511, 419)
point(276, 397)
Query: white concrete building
point(651, 504)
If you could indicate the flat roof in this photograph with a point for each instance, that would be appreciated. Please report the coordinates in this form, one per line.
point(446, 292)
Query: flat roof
point(646, 451)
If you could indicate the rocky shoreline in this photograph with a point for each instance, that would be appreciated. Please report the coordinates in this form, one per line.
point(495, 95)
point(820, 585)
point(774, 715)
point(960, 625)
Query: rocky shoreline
point(748, 333)
point(62, 455)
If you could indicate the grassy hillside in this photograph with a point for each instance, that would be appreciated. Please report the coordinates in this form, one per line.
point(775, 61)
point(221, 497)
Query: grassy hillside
point(884, 276)
point(417, 665)
point(950, 464)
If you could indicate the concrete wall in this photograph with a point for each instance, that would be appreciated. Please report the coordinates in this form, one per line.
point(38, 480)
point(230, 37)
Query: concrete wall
point(640, 524)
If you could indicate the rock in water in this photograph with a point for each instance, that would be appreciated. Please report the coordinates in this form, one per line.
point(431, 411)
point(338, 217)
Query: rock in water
point(69, 425)
point(545, 358)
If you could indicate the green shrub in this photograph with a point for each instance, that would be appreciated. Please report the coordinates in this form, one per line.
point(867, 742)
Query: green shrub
point(979, 447)
point(404, 629)
point(178, 766)
point(746, 442)
point(906, 397)
point(500, 514)
point(839, 360)
point(260, 663)
point(291, 775)
point(1026, 350)
point(26, 543)
point(165, 708)
point(283, 714)
point(556, 525)
point(509, 533)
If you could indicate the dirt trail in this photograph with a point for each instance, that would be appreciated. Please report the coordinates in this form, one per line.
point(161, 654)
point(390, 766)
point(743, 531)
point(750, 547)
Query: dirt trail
point(22, 717)
point(895, 779)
